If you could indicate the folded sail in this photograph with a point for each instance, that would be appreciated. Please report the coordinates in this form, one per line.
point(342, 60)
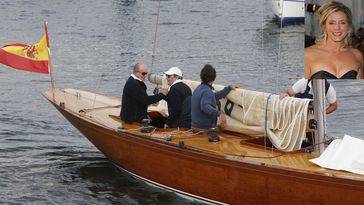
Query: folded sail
point(343, 154)
point(258, 114)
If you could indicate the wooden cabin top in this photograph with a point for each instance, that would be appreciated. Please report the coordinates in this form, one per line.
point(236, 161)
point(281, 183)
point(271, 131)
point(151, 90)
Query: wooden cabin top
point(104, 111)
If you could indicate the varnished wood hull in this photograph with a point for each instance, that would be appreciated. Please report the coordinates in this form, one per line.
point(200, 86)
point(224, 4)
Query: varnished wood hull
point(215, 178)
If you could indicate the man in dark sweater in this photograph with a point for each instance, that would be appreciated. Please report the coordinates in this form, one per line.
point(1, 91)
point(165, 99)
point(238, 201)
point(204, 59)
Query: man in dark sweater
point(204, 102)
point(135, 100)
point(178, 99)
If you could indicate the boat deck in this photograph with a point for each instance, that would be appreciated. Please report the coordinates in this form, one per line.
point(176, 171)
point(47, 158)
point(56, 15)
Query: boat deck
point(104, 111)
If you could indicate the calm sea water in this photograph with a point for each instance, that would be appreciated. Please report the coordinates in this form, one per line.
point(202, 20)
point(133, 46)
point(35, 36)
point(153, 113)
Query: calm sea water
point(94, 43)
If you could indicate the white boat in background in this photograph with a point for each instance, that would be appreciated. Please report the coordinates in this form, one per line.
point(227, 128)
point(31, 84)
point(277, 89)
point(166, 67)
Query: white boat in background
point(289, 11)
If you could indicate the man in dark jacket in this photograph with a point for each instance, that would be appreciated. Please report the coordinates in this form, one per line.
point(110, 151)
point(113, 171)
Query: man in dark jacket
point(178, 99)
point(204, 102)
point(135, 100)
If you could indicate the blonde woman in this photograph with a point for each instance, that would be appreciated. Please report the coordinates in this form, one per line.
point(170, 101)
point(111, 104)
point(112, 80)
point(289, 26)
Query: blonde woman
point(332, 57)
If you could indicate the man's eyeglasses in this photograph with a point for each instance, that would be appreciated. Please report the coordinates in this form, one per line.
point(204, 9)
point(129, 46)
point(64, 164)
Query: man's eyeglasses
point(143, 73)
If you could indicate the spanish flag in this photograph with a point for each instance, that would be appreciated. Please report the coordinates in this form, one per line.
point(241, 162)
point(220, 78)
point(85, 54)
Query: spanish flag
point(34, 58)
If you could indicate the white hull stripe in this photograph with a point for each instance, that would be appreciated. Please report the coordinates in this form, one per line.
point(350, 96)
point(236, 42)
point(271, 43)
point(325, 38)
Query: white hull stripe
point(184, 194)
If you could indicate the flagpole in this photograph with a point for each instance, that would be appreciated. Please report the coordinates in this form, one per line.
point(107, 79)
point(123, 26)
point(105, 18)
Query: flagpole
point(53, 84)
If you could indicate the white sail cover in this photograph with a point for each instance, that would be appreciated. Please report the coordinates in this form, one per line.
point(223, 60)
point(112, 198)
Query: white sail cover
point(343, 154)
point(258, 114)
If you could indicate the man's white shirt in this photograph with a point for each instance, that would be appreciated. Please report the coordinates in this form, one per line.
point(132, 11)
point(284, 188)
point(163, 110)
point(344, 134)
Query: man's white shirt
point(300, 87)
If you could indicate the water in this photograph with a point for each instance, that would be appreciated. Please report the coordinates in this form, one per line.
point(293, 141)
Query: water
point(94, 43)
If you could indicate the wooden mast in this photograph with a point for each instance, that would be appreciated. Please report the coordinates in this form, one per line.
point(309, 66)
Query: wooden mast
point(53, 84)
point(318, 87)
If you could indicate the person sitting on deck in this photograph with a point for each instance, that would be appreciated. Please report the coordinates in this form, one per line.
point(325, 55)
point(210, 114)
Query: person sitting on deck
point(178, 99)
point(204, 102)
point(303, 89)
point(135, 100)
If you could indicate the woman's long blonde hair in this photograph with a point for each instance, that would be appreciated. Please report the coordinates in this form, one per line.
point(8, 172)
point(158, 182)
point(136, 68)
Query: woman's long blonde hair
point(325, 11)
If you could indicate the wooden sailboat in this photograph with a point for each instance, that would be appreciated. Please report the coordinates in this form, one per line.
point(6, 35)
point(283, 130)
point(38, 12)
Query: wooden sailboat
point(237, 170)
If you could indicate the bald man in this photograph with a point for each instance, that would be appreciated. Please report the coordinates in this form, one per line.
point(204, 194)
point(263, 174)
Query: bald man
point(135, 100)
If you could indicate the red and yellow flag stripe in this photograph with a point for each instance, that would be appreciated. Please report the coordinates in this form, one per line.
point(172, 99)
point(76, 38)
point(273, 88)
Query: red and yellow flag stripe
point(34, 58)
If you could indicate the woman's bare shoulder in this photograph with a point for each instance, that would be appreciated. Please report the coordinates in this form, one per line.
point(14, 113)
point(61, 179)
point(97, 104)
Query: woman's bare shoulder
point(357, 53)
point(311, 51)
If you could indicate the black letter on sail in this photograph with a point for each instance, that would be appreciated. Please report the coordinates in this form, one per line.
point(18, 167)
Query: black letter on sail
point(228, 108)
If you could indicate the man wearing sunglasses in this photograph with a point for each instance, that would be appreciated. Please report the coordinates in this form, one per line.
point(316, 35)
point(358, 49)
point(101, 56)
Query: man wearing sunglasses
point(178, 99)
point(135, 100)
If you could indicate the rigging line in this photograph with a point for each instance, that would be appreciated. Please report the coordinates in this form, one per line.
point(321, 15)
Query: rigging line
point(151, 134)
point(193, 134)
point(178, 131)
point(279, 57)
point(103, 74)
point(75, 22)
point(262, 41)
point(97, 88)
point(305, 149)
point(256, 156)
point(144, 31)
point(266, 121)
point(100, 108)
point(155, 35)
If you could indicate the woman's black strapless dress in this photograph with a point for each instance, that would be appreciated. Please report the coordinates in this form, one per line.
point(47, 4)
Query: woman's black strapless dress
point(326, 75)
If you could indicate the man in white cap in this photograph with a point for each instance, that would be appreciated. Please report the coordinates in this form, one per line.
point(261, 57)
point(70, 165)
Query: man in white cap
point(178, 99)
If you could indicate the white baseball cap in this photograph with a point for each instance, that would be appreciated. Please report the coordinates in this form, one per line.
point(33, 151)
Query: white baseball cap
point(174, 71)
